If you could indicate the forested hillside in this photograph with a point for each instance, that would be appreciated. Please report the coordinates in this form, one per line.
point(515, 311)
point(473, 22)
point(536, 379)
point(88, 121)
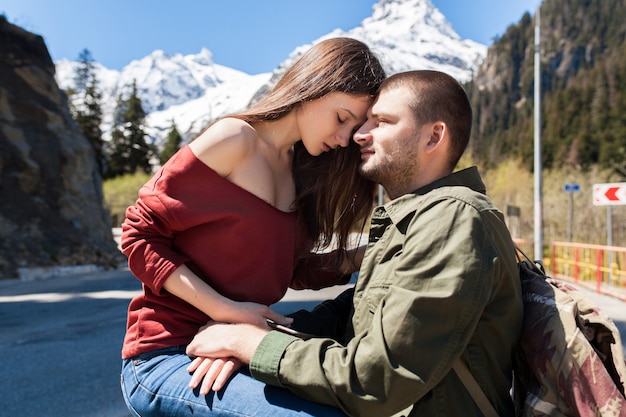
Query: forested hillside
point(583, 83)
point(583, 112)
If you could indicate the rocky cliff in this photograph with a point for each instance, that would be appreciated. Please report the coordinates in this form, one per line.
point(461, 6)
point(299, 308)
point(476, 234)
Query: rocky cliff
point(51, 211)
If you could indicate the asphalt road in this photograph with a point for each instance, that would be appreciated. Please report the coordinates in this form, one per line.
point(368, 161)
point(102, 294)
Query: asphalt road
point(60, 341)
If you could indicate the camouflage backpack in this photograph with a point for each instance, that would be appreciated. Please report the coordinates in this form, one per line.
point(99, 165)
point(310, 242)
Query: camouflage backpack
point(570, 360)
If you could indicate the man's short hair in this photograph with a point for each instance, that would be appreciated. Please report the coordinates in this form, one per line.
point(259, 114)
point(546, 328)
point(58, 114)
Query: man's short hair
point(438, 97)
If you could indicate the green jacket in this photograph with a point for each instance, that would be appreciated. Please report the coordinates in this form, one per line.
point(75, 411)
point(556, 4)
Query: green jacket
point(439, 281)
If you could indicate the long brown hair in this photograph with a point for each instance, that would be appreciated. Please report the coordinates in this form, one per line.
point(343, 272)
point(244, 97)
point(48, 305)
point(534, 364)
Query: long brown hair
point(330, 194)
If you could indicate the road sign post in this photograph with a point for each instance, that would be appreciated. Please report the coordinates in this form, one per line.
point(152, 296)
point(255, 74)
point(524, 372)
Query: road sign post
point(609, 194)
point(570, 189)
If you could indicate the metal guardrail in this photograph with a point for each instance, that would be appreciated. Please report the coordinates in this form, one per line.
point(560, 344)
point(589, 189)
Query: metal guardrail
point(600, 268)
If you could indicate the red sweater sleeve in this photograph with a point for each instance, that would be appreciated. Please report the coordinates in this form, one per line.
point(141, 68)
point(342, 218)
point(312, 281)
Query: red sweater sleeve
point(147, 236)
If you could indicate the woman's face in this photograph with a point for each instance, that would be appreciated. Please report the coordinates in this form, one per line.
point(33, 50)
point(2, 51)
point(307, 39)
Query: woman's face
point(330, 121)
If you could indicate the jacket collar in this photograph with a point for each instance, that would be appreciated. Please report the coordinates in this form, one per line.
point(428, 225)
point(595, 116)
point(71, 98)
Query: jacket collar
point(401, 207)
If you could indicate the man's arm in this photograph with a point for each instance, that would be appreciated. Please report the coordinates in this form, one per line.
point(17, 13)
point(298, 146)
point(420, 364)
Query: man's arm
point(327, 319)
point(242, 340)
point(413, 317)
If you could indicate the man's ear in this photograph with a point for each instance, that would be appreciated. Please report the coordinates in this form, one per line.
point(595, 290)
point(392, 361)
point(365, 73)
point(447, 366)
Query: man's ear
point(438, 135)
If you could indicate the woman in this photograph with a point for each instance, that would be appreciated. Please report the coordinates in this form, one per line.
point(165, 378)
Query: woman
point(232, 220)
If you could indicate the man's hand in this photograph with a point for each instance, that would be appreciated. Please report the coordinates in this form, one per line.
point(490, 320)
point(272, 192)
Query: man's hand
point(212, 373)
point(220, 340)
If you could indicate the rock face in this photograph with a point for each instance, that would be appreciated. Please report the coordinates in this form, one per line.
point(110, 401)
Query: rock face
point(51, 211)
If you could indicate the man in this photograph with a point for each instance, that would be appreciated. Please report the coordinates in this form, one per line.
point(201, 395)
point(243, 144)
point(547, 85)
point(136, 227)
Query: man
point(438, 283)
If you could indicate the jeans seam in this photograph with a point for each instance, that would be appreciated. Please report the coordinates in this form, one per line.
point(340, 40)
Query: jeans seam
point(126, 398)
point(196, 401)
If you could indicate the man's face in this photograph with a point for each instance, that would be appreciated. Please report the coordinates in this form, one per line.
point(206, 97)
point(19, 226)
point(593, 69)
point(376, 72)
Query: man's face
point(389, 139)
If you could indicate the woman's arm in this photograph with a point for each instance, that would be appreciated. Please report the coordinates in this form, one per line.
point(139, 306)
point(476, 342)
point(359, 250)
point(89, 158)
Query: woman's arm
point(187, 286)
point(165, 208)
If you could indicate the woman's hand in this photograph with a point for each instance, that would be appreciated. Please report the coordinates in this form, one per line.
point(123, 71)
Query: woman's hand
point(252, 313)
point(212, 374)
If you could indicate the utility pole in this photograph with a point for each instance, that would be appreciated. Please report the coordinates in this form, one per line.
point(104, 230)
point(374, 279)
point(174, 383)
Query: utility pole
point(538, 254)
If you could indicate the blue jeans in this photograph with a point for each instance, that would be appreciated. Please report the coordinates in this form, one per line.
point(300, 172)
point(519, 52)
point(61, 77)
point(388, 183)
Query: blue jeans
point(157, 384)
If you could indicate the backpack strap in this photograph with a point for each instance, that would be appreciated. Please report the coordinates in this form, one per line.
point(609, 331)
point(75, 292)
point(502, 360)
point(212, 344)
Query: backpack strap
point(466, 377)
point(474, 389)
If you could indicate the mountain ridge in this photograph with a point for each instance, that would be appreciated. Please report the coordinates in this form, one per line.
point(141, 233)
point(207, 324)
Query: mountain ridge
point(193, 90)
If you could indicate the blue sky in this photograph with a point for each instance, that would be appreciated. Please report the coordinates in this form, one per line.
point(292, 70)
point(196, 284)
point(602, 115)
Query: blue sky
point(253, 36)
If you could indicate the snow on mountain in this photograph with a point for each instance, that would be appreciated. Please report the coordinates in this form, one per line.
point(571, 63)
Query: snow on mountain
point(192, 90)
point(192, 116)
point(107, 84)
point(408, 35)
point(413, 34)
point(193, 75)
point(164, 84)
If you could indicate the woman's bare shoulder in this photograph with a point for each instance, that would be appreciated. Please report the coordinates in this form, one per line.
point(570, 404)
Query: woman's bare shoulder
point(225, 144)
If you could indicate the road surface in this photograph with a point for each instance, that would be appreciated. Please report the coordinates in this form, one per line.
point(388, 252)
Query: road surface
point(60, 341)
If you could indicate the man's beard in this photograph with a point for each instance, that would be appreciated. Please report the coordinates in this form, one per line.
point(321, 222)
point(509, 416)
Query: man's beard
point(372, 172)
point(392, 172)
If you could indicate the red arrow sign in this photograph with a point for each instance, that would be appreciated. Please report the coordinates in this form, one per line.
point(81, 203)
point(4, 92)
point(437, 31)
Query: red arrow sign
point(609, 194)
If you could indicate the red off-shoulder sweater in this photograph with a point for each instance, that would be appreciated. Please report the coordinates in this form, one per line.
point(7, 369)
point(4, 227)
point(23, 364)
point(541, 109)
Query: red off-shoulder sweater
point(243, 247)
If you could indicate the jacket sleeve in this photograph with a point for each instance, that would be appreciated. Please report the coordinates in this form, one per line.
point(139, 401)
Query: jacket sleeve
point(328, 319)
point(412, 320)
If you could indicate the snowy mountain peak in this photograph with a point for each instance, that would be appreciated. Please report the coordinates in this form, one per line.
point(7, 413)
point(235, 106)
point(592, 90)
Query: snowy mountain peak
point(167, 80)
point(205, 57)
point(414, 34)
point(413, 15)
point(408, 35)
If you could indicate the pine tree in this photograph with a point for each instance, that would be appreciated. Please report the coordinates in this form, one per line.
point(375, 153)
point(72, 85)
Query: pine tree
point(128, 149)
point(172, 144)
point(85, 106)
